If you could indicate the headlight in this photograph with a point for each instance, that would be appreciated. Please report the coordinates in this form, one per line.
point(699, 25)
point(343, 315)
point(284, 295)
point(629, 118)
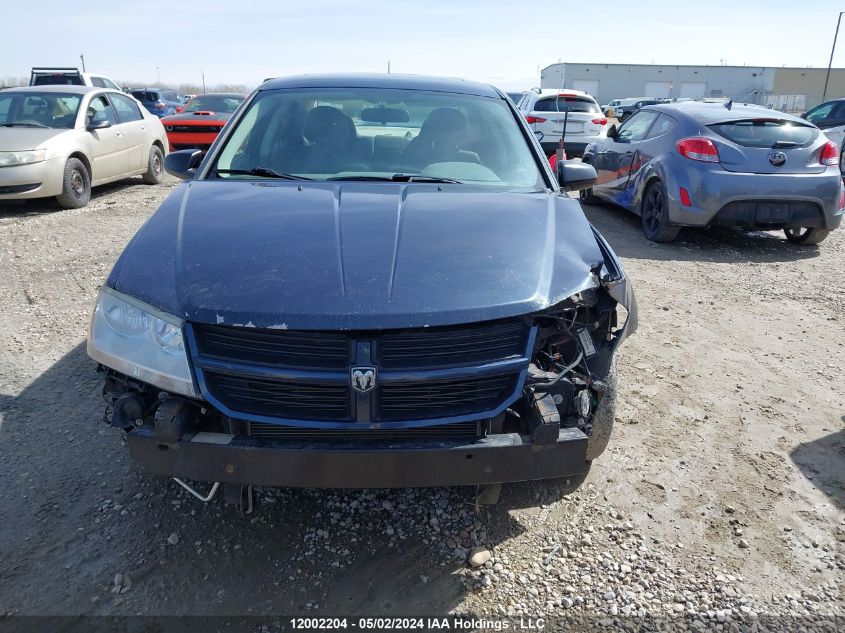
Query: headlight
point(9, 159)
point(139, 340)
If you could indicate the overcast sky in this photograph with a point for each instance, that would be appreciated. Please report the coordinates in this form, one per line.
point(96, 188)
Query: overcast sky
point(498, 41)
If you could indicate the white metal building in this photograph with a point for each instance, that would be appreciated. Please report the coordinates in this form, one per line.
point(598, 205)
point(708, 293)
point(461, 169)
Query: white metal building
point(746, 83)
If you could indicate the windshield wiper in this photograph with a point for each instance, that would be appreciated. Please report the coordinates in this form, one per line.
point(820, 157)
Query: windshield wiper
point(780, 144)
point(398, 178)
point(17, 123)
point(264, 172)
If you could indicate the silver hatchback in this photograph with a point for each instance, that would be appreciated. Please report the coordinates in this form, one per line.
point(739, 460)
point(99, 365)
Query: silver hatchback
point(704, 164)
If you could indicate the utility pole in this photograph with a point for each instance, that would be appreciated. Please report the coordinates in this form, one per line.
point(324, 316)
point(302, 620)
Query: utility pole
point(158, 75)
point(82, 59)
point(203, 80)
point(388, 66)
point(830, 63)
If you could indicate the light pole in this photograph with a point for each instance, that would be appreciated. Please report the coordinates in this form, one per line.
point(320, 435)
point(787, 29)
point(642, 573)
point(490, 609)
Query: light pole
point(830, 63)
point(158, 75)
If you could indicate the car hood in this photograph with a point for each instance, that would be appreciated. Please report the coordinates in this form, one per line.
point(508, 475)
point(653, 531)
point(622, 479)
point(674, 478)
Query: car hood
point(196, 117)
point(356, 255)
point(16, 139)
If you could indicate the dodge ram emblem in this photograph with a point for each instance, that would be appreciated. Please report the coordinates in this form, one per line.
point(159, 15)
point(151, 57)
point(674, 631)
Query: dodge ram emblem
point(777, 159)
point(363, 378)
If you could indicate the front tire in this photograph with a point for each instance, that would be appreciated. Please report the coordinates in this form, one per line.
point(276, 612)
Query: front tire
point(806, 235)
point(155, 167)
point(655, 215)
point(76, 185)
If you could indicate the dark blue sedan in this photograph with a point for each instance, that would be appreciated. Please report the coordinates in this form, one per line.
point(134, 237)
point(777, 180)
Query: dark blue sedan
point(704, 164)
point(369, 281)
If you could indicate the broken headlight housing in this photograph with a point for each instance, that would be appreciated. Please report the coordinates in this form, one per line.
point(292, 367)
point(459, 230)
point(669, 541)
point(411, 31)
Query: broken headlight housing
point(140, 341)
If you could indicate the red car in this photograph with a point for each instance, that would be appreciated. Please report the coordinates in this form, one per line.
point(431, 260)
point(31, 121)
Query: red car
point(200, 122)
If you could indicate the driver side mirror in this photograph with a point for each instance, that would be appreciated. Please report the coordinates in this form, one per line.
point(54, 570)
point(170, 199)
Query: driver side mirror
point(573, 175)
point(98, 125)
point(613, 131)
point(183, 164)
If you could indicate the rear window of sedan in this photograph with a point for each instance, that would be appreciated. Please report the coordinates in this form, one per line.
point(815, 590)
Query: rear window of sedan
point(766, 133)
point(146, 95)
point(562, 104)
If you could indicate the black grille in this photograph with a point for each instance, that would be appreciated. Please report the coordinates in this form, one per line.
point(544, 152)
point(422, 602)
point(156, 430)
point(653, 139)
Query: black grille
point(449, 347)
point(279, 348)
point(460, 430)
point(205, 129)
point(281, 398)
point(433, 398)
point(315, 364)
point(19, 188)
point(201, 146)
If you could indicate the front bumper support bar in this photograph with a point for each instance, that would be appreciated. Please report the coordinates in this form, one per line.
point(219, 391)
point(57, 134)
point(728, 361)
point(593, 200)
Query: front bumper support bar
point(252, 461)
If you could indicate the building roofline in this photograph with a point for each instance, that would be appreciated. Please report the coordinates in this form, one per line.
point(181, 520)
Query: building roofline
point(687, 66)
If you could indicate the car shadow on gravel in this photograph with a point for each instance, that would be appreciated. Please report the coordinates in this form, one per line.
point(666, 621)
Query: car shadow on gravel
point(75, 516)
point(43, 206)
point(718, 244)
point(822, 461)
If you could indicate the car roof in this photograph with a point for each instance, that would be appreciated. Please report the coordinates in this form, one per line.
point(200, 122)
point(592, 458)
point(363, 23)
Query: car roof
point(72, 89)
point(709, 113)
point(376, 80)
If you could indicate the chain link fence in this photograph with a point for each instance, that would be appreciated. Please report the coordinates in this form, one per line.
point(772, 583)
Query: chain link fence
point(792, 104)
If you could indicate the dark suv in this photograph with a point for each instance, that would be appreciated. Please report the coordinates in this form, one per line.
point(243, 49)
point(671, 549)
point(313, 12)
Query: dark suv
point(369, 281)
point(159, 101)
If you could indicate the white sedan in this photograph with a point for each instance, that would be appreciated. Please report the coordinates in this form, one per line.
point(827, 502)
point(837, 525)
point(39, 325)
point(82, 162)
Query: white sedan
point(62, 140)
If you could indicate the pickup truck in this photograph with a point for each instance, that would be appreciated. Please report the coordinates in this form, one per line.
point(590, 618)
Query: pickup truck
point(352, 291)
point(51, 76)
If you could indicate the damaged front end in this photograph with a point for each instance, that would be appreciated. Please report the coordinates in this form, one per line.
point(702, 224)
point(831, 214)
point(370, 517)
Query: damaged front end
point(572, 379)
point(525, 397)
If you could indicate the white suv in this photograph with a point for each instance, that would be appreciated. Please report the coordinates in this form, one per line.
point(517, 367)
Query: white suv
point(830, 118)
point(546, 111)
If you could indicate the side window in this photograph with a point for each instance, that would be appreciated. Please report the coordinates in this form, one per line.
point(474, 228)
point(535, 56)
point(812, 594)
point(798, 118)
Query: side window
point(838, 111)
point(635, 128)
point(664, 124)
point(98, 82)
point(127, 109)
point(110, 84)
point(820, 113)
point(100, 110)
point(5, 107)
point(169, 95)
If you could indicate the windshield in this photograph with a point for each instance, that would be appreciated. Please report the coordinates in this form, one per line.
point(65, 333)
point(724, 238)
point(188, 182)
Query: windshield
point(379, 134)
point(38, 109)
point(214, 103)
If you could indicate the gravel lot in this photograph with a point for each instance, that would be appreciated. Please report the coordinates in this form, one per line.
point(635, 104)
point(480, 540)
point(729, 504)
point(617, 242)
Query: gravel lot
point(718, 504)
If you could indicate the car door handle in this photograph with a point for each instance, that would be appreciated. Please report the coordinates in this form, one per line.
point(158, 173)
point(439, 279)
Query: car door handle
point(120, 135)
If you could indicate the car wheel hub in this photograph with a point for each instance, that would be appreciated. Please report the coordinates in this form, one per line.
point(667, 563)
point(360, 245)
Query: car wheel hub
point(77, 183)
